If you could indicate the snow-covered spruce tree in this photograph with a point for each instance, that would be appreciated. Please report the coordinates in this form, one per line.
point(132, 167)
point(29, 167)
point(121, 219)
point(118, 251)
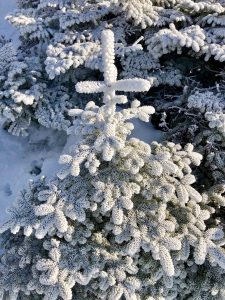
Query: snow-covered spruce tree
point(199, 117)
point(161, 41)
point(17, 88)
point(121, 220)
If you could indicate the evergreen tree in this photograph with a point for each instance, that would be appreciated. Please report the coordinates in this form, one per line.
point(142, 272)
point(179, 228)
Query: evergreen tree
point(121, 220)
point(61, 45)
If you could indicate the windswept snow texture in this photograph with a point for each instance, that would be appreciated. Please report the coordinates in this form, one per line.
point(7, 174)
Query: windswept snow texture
point(7, 6)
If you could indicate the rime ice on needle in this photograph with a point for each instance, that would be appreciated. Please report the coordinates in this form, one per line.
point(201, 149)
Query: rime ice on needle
point(110, 84)
point(104, 130)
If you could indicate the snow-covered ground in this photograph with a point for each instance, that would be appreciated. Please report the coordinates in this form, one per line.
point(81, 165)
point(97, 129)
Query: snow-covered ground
point(23, 159)
point(7, 6)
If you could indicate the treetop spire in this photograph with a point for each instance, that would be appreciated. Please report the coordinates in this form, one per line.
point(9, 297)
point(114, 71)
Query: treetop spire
point(110, 84)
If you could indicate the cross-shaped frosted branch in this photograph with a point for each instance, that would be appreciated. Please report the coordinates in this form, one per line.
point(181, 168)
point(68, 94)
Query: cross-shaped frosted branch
point(110, 84)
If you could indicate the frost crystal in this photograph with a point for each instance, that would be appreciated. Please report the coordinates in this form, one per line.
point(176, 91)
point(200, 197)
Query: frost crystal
point(66, 36)
point(132, 227)
point(110, 84)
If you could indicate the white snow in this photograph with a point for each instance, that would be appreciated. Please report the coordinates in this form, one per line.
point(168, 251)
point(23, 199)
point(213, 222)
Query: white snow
point(7, 6)
point(21, 159)
point(146, 132)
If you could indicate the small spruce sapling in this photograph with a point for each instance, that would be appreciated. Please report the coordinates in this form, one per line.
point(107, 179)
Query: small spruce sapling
point(121, 219)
